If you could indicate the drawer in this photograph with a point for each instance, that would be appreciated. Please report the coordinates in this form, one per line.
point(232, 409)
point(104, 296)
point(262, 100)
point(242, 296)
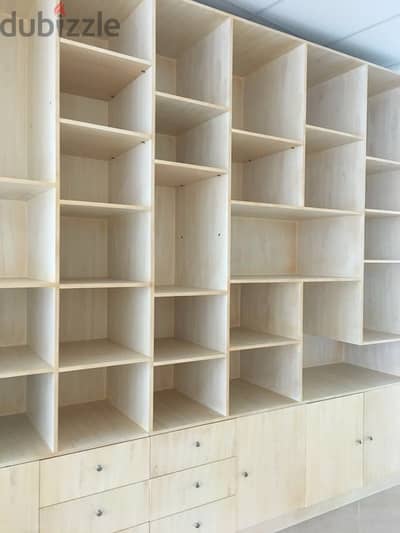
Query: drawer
point(82, 474)
point(217, 517)
point(108, 512)
point(191, 488)
point(192, 447)
point(19, 497)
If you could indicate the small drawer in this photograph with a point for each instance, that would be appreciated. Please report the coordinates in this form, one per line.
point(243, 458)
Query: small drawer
point(108, 512)
point(82, 474)
point(191, 488)
point(217, 517)
point(192, 447)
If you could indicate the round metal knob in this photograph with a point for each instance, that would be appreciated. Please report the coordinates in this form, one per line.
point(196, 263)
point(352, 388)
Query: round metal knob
point(99, 512)
point(197, 525)
point(197, 444)
point(197, 485)
point(245, 474)
point(99, 468)
point(370, 437)
point(359, 441)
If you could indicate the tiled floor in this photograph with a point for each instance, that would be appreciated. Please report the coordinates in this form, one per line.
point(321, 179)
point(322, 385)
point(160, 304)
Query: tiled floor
point(376, 514)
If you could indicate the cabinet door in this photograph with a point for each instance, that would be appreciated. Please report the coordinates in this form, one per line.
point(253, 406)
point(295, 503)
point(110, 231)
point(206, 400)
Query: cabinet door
point(19, 499)
point(382, 434)
point(271, 455)
point(334, 448)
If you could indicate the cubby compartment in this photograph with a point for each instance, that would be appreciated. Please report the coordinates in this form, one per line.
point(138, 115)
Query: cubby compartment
point(271, 243)
point(265, 378)
point(104, 327)
point(192, 393)
point(191, 237)
point(382, 238)
point(269, 98)
point(27, 418)
point(189, 329)
point(382, 185)
point(265, 315)
point(97, 249)
point(103, 405)
point(28, 240)
point(337, 92)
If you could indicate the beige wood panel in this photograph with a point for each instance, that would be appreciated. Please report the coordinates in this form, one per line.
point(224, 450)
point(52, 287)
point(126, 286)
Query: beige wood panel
point(324, 64)
point(334, 447)
point(14, 231)
point(247, 146)
point(136, 35)
point(381, 434)
point(271, 465)
point(184, 490)
point(165, 235)
point(318, 351)
point(144, 528)
point(192, 447)
point(212, 518)
point(379, 355)
point(19, 509)
point(41, 407)
point(166, 74)
point(381, 238)
point(84, 179)
point(381, 298)
point(108, 511)
point(319, 139)
point(384, 125)
point(77, 475)
point(169, 173)
point(383, 191)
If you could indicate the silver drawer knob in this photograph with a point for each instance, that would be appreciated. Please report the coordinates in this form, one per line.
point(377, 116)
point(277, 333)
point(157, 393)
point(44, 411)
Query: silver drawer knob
point(99, 468)
point(197, 525)
point(245, 474)
point(359, 441)
point(370, 437)
point(99, 512)
point(197, 444)
point(197, 485)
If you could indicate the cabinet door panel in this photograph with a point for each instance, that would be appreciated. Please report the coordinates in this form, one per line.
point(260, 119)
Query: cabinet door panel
point(334, 448)
point(382, 425)
point(271, 455)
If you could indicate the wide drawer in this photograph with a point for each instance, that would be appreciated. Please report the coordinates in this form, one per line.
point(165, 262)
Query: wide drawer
point(108, 512)
point(192, 447)
point(184, 490)
point(82, 474)
point(217, 517)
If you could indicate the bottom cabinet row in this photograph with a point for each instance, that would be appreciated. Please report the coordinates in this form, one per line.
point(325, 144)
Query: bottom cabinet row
point(226, 477)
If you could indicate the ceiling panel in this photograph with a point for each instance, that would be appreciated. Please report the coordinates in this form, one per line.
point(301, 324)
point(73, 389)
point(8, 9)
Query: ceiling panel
point(253, 6)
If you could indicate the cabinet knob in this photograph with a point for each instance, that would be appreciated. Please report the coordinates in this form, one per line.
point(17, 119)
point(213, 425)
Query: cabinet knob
point(197, 485)
point(359, 441)
point(245, 474)
point(370, 437)
point(99, 468)
point(197, 525)
point(197, 444)
point(99, 512)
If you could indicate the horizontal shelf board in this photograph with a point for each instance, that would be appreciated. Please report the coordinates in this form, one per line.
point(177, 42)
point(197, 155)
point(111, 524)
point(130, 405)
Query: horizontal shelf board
point(100, 283)
point(93, 209)
point(95, 141)
point(174, 174)
point(24, 283)
point(371, 336)
point(22, 189)
point(284, 212)
point(330, 381)
point(176, 114)
point(247, 145)
point(93, 424)
point(248, 398)
point(247, 339)
point(169, 351)
point(21, 361)
point(288, 278)
point(379, 213)
point(376, 165)
point(20, 442)
point(318, 139)
point(96, 354)
point(95, 72)
point(173, 410)
point(165, 291)
point(381, 261)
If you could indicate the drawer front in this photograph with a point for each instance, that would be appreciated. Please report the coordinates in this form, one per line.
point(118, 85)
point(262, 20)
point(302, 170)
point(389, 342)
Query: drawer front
point(192, 447)
point(19, 497)
point(107, 512)
point(144, 528)
point(217, 517)
point(191, 488)
point(82, 474)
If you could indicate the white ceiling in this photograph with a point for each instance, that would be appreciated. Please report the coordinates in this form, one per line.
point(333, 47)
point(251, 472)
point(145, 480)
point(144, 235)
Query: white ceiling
point(369, 29)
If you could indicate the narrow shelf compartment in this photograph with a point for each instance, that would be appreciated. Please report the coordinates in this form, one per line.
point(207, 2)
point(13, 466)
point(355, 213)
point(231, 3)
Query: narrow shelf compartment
point(85, 70)
point(330, 381)
point(379, 337)
point(284, 212)
point(94, 209)
point(184, 394)
point(22, 189)
point(173, 174)
point(103, 406)
point(176, 114)
point(95, 141)
point(166, 291)
point(247, 146)
point(319, 139)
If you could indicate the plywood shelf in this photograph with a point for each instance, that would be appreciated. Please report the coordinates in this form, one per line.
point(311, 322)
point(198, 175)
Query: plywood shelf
point(319, 139)
point(381, 261)
point(284, 212)
point(95, 141)
point(330, 381)
point(376, 165)
point(378, 337)
point(100, 283)
point(174, 410)
point(378, 213)
point(97, 209)
point(290, 278)
point(246, 398)
point(97, 353)
point(247, 146)
point(22, 189)
point(171, 173)
point(96, 72)
point(176, 114)
point(166, 291)
point(169, 351)
point(246, 339)
point(24, 283)
point(21, 361)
